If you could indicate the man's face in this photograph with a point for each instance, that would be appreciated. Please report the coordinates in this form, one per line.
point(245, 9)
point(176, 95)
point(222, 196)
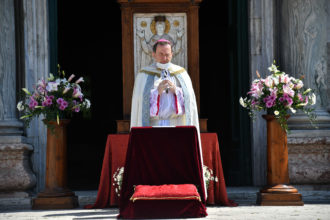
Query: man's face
point(163, 54)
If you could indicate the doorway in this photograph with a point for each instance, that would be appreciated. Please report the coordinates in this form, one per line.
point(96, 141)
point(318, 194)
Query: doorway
point(89, 45)
point(224, 77)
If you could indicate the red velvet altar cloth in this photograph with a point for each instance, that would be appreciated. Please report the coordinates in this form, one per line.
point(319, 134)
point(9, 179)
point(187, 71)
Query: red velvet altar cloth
point(157, 156)
point(115, 155)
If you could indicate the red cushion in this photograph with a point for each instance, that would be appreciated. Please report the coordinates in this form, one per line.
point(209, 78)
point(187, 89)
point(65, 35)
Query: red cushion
point(166, 192)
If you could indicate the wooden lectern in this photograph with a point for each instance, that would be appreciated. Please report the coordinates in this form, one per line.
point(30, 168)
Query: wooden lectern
point(129, 9)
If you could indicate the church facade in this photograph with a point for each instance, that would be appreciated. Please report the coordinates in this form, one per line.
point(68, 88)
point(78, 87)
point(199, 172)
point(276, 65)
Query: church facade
point(294, 33)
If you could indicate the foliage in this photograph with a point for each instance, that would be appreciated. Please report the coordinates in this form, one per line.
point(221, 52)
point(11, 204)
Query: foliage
point(278, 93)
point(55, 98)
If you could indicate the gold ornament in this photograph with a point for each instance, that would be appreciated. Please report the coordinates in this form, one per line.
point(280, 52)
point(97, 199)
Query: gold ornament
point(176, 23)
point(143, 24)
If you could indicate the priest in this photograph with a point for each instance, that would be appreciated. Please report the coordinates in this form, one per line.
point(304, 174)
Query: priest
point(163, 94)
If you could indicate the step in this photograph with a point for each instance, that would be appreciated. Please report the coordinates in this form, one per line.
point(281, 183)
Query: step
point(243, 195)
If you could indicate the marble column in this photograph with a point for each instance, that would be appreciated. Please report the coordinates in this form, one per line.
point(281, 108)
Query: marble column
point(262, 20)
point(15, 172)
point(303, 43)
point(36, 50)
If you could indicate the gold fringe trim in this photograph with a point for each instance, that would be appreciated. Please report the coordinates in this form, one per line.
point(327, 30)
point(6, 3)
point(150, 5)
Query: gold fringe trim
point(166, 198)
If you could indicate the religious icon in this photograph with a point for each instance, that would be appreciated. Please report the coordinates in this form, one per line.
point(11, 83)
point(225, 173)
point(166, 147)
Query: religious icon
point(151, 27)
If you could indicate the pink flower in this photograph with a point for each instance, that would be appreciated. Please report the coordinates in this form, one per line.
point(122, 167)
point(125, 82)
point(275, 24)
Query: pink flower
point(77, 93)
point(256, 90)
point(60, 101)
point(63, 104)
point(300, 97)
point(47, 102)
point(288, 90)
point(286, 79)
point(76, 108)
point(71, 77)
point(286, 100)
point(81, 79)
point(254, 102)
point(33, 103)
point(270, 101)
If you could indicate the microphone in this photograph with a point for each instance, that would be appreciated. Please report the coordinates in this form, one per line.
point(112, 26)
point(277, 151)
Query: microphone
point(164, 77)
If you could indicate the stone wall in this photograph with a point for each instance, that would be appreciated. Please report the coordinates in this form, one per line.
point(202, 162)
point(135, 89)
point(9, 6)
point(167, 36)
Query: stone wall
point(309, 157)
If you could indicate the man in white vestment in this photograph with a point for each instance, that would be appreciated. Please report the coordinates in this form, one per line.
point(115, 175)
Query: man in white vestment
point(163, 94)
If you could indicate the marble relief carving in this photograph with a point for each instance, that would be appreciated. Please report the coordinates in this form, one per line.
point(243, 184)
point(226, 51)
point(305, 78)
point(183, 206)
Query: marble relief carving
point(307, 42)
point(148, 28)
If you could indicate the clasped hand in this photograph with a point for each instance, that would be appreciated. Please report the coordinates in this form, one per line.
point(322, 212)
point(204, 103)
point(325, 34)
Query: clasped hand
point(166, 84)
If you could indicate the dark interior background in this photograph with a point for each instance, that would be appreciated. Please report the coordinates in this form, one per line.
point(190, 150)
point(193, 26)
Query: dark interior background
point(89, 45)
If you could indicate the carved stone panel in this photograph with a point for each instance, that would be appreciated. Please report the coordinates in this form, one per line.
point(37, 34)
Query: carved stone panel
point(150, 27)
point(303, 43)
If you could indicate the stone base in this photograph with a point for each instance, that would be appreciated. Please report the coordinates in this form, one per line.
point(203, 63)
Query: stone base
point(309, 156)
point(68, 202)
point(279, 195)
point(15, 172)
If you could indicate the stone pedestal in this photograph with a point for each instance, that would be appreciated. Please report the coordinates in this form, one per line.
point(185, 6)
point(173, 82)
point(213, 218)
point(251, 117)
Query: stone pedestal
point(15, 172)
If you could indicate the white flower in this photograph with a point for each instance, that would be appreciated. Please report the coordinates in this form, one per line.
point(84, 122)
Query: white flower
point(269, 81)
point(293, 110)
point(276, 112)
point(51, 77)
point(20, 106)
point(52, 86)
point(241, 101)
point(291, 85)
point(313, 99)
point(273, 68)
point(87, 103)
point(286, 79)
point(288, 90)
point(255, 81)
point(300, 84)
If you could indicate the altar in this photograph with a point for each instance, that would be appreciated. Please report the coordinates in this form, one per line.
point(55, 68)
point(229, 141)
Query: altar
point(114, 161)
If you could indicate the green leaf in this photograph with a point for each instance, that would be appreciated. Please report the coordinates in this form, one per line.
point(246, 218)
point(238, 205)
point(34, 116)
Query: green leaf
point(26, 91)
point(25, 116)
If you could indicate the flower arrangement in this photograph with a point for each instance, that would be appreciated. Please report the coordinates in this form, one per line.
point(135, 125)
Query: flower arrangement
point(55, 99)
point(277, 94)
point(118, 179)
point(208, 176)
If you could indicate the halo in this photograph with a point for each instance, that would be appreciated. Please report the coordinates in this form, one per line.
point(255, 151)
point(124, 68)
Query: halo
point(143, 24)
point(153, 26)
point(176, 23)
